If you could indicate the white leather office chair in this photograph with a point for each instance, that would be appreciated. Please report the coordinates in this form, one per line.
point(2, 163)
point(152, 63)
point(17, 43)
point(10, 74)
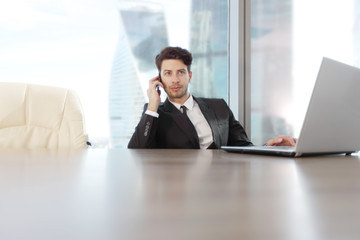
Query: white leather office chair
point(35, 116)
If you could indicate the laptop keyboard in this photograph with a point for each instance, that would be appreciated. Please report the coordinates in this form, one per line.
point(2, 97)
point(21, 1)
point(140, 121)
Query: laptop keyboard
point(280, 147)
point(275, 148)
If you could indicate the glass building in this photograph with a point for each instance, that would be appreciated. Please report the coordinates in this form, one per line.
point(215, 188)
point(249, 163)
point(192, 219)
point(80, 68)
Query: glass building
point(133, 65)
point(209, 46)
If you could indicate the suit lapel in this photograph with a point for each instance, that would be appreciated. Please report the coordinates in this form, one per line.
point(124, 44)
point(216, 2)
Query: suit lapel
point(182, 122)
point(210, 116)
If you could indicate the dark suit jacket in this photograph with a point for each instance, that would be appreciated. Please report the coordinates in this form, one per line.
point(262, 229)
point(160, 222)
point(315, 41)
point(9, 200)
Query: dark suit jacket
point(172, 130)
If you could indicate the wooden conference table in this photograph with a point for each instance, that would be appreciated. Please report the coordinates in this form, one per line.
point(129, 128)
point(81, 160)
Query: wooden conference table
point(177, 194)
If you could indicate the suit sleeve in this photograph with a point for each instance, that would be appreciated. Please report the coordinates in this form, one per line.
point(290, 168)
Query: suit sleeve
point(145, 132)
point(237, 134)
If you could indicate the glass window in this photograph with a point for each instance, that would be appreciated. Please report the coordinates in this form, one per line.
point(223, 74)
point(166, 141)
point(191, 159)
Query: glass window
point(288, 40)
point(67, 44)
point(105, 50)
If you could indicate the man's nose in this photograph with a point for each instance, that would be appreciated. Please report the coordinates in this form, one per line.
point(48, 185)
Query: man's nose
point(175, 78)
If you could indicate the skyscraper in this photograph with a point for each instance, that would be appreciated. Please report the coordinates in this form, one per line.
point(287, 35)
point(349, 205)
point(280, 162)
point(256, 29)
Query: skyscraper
point(134, 65)
point(209, 46)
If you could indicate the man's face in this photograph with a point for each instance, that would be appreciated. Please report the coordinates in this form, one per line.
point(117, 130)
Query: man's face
point(175, 78)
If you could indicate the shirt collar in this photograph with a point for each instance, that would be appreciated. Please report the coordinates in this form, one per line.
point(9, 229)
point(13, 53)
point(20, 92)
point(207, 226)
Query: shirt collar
point(189, 103)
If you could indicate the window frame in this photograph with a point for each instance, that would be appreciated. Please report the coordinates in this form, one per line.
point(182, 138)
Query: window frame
point(239, 62)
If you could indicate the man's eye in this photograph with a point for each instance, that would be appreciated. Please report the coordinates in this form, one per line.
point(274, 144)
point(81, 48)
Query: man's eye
point(182, 72)
point(167, 73)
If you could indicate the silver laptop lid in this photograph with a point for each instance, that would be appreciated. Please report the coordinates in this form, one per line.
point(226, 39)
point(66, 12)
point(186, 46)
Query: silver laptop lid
point(332, 121)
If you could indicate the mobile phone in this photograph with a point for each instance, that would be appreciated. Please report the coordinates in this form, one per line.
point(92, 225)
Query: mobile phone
point(157, 87)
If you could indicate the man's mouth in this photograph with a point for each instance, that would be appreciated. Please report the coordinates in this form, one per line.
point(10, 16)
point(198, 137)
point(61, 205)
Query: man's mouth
point(175, 88)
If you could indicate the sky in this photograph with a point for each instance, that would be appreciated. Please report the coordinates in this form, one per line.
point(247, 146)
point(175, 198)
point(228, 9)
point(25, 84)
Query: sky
point(71, 44)
point(64, 43)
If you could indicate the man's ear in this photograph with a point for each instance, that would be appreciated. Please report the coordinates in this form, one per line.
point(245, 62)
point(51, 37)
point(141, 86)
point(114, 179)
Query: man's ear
point(190, 76)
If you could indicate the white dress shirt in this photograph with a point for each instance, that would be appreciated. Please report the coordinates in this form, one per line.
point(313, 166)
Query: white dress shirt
point(195, 115)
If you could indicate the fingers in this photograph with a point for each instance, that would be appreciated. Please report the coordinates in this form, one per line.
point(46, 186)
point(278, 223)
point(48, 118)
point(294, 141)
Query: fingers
point(154, 94)
point(282, 141)
point(154, 82)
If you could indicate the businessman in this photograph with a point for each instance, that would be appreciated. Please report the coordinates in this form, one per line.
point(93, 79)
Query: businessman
point(183, 120)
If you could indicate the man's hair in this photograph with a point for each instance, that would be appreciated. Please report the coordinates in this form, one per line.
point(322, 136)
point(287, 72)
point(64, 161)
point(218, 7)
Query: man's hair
point(174, 53)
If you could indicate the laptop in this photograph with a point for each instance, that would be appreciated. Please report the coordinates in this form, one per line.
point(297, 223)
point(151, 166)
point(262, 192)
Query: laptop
point(332, 120)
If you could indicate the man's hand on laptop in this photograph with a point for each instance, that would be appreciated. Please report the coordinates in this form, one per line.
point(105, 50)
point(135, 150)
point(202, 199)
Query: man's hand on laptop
point(282, 141)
